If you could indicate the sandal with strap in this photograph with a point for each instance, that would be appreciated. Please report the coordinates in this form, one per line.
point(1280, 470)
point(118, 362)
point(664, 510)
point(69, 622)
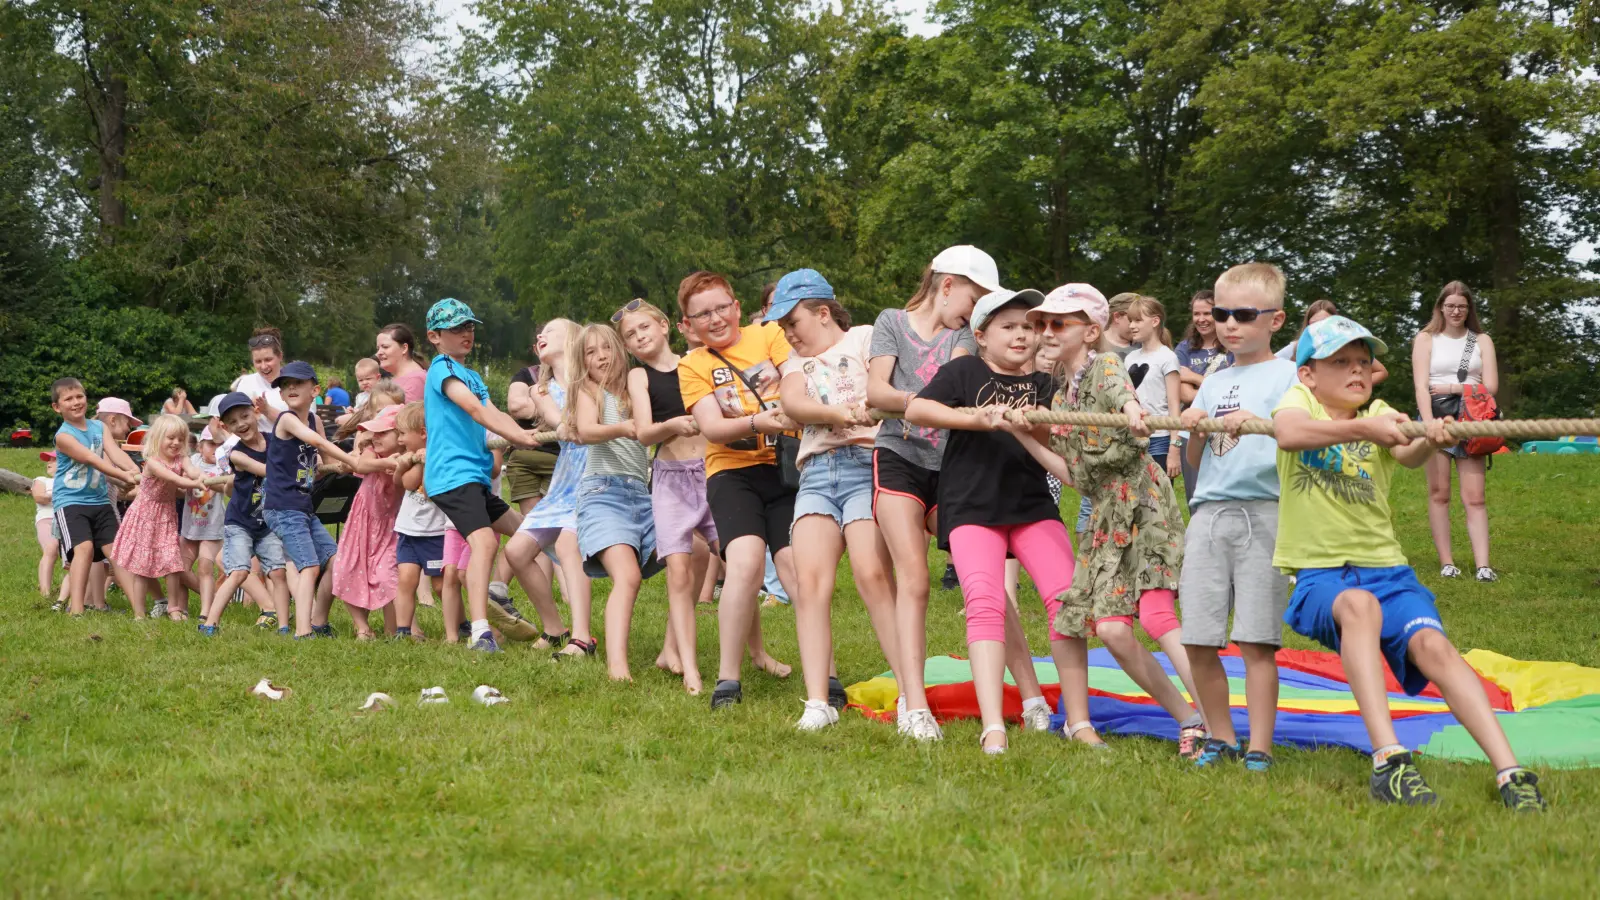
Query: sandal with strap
point(1072, 734)
point(585, 649)
point(548, 641)
point(992, 751)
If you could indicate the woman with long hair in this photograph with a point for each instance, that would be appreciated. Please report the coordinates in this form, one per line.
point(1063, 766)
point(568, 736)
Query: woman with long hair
point(1451, 353)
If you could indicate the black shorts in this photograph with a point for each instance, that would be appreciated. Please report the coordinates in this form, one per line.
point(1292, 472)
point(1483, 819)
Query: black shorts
point(471, 507)
point(751, 500)
point(96, 523)
point(894, 474)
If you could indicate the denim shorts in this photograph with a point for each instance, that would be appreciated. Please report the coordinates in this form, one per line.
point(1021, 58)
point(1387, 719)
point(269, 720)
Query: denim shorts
point(1406, 605)
point(836, 484)
point(238, 547)
point(612, 510)
point(305, 542)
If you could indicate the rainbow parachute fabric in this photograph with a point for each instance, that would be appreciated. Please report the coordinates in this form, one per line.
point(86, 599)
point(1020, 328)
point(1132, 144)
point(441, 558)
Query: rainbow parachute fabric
point(1549, 710)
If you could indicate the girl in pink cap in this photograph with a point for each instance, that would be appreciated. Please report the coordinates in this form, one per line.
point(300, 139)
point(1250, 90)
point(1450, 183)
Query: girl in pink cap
point(365, 573)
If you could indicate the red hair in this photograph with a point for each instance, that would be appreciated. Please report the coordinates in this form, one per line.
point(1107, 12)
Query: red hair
point(699, 283)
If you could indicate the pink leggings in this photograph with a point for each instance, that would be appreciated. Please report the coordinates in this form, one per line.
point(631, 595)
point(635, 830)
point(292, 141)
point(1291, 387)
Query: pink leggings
point(979, 554)
point(1156, 613)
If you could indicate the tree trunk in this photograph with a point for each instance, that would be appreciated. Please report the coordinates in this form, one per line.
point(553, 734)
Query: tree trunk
point(1504, 208)
point(12, 483)
point(113, 146)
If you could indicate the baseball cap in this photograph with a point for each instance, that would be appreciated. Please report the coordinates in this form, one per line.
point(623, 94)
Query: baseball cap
point(213, 410)
point(383, 421)
point(205, 435)
point(448, 313)
point(1324, 339)
point(801, 284)
point(1075, 297)
point(115, 405)
point(990, 303)
point(970, 263)
point(224, 402)
point(296, 371)
point(47, 455)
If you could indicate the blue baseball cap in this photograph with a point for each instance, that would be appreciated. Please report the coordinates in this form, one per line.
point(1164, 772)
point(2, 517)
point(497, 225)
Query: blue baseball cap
point(448, 313)
point(231, 401)
point(801, 284)
point(297, 371)
point(1325, 338)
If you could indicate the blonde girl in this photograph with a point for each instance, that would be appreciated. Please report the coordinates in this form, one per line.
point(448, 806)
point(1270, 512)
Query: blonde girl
point(365, 572)
point(552, 526)
point(685, 534)
point(1153, 367)
point(147, 544)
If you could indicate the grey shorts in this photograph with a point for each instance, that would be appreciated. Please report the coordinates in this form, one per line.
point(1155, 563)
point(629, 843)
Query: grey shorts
point(1227, 566)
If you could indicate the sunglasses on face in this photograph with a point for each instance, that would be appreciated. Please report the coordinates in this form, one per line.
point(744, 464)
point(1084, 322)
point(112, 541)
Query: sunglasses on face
point(1244, 315)
point(630, 306)
point(1061, 324)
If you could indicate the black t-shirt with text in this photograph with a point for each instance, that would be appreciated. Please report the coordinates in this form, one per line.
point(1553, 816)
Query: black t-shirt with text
point(986, 477)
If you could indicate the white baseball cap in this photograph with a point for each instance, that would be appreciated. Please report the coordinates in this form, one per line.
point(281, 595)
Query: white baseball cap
point(969, 262)
point(990, 303)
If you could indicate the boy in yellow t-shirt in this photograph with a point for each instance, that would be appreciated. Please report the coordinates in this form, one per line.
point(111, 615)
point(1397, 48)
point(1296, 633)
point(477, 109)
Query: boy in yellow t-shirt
point(1354, 592)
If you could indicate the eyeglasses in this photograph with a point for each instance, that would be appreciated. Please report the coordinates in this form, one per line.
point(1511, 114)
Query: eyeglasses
point(700, 317)
point(1450, 307)
point(1244, 315)
point(631, 306)
point(463, 328)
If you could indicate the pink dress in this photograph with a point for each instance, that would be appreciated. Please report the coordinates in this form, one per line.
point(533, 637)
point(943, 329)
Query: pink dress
point(365, 573)
point(147, 538)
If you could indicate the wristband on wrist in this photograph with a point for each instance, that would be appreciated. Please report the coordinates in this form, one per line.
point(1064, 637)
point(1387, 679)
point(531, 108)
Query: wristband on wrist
point(753, 423)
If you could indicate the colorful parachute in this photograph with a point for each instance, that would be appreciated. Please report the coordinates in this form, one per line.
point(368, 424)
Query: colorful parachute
point(1550, 710)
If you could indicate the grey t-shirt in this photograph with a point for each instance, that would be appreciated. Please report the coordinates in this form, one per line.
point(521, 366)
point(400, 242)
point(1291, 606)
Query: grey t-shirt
point(915, 362)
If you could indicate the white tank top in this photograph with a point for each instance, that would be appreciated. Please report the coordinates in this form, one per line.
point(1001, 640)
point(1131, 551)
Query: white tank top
point(1446, 361)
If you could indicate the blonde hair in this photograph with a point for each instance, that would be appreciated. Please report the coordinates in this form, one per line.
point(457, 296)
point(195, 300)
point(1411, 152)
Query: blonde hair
point(647, 308)
point(930, 286)
point(161, 428)
point(411, 418)
point(616, 383)
point(1264, 277)
point(380, 391)
point(546, 372)
point(1144, 307)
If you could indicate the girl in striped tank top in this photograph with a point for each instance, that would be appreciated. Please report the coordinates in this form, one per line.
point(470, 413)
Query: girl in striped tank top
point(616, 527)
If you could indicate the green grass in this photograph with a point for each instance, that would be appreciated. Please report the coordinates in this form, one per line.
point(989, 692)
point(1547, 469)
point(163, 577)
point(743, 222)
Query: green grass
point(132, 761)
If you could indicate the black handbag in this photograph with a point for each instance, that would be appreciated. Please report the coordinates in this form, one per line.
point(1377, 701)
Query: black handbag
point(787, 446)
point(1449, 405)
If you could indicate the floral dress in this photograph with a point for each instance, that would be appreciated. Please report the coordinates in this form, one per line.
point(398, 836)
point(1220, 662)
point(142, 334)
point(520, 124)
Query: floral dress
point(147, 538)
point(1135, 537)
point(365, 574)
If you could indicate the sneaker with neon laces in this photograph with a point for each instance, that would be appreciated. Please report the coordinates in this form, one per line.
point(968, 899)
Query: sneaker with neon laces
point(1191, 738)
point(1400, 781)
point(1520, 793)
point(922, 726)
point(1257, 761)
point(818, 715)
point(267, 621)
point(485, 644)
point(1214, 752)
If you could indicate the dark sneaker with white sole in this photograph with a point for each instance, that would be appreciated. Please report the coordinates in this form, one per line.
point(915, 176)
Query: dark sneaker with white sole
point(1400, 781)
point(1521, 793)
point(727, 694)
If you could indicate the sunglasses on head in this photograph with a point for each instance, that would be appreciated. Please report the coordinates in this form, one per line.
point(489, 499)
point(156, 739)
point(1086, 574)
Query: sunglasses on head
point(263, 340)
point(630, 306)
point(1244, 315)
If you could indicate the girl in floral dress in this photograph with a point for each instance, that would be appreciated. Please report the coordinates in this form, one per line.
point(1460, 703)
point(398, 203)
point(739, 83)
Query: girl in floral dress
point(366, 575)
point(147, 544)
point(1129, 559)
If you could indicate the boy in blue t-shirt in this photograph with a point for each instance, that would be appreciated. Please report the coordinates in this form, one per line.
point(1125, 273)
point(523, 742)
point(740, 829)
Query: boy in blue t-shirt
point(458, 413)
point(81, 496)
point(1227, 557)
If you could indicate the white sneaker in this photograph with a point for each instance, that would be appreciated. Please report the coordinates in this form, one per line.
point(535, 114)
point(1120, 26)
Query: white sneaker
point(900, 715)
point(818, 715)
point(1036, 717)
point(158, 610)
point(1487, 574)
point(922, 726)
point(1449, 572)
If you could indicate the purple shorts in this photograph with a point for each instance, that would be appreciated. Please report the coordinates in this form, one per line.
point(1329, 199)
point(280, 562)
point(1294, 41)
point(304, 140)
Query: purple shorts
point(678, 498)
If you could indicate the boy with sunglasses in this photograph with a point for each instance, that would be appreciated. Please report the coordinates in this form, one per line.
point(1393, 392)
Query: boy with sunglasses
point(1234, 520)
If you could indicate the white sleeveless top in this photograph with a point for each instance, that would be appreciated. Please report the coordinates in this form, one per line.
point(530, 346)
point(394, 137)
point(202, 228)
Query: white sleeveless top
point(1446, 361)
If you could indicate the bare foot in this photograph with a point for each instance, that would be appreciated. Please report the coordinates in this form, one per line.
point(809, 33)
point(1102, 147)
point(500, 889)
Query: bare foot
point(624, 675)
point(670, 663)
point(365, 636)
point(691, 682)
point(771, 666)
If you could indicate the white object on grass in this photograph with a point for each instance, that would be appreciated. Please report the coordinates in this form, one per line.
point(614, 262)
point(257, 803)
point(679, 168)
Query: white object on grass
point(489, 696)
point(265, 688)
point(432, 696)
point(376, 701)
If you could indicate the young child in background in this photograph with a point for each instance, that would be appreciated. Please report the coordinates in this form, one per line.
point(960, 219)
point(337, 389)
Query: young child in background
point(367, 374)
point(245, 534)
point(44, 518)
point(419, 525)
point(297, 438)
point(1354, 592)
point(365, 573)
point(616, 527)
point(1128, 561)
point(1234, 527)
point(81, 491)
point(1152, 366)
point(380, 395)
point(201, 526)
point(147, 544)
point(824, 388)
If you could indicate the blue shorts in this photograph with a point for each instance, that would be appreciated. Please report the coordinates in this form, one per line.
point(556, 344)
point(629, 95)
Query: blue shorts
point(305, 542)
point(612, 510)
point(1407, 609)
point(238, 546)
point(837, 484)
point(424, 552)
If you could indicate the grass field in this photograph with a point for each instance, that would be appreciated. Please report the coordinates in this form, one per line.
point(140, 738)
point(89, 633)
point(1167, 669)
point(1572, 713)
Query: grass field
point(134, 763)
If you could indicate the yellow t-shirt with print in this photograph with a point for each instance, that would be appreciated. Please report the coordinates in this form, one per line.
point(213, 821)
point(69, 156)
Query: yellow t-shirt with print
point(759, 353)
point(1333, 504)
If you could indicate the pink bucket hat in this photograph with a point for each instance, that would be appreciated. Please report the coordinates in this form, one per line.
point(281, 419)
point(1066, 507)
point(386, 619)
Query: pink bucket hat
point(383, 421)
point(120, 407)
point(1075, 297)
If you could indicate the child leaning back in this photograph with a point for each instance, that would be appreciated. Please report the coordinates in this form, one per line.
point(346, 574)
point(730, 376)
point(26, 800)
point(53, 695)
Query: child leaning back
point(1354, 592)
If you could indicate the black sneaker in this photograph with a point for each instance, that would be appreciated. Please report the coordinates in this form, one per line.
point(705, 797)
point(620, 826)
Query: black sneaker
point(1256, 761)
point(322, 631)
point(837, 698)
point(464, 630)
point(1400, 781)
point(727, 694)
point(1215, 752)
point(1521, 793)
point(950, 582)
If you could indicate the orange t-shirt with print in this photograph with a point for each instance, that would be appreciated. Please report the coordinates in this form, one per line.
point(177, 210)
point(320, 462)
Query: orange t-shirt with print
point(759, 352)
